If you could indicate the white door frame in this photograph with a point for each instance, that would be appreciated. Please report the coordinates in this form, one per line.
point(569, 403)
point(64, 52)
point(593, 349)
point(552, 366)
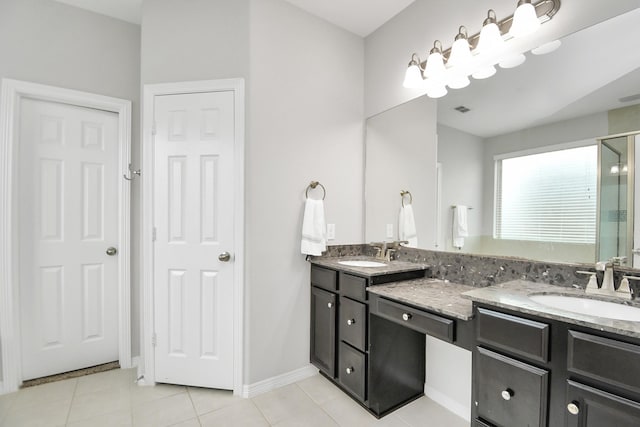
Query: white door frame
point(147, 369)
point(12, 92)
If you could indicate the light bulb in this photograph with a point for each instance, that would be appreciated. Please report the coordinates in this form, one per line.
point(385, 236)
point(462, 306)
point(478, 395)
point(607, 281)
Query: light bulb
point(458, 81)
point(460, 51)
point(412, 77)
point(435, 63)
point(546, 48)
point(512, 61)
point(484, 72)
point(525, 20)
point(491, 42)
point(436, 91)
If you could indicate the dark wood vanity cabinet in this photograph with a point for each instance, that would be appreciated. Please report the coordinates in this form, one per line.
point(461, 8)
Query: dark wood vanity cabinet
point(378, 363)
point(530, 371)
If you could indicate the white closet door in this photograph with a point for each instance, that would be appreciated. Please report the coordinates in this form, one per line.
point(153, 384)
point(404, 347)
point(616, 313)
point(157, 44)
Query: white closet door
point(68, 218)
point(193, 217)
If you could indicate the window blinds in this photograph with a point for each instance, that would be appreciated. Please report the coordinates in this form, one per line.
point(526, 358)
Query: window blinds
point(548, 197)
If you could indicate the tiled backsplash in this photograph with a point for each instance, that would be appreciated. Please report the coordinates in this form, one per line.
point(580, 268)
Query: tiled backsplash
point(479, 270)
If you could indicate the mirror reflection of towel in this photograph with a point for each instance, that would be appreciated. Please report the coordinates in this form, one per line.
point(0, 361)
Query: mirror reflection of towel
point(460, 226)
point(407, 226)
point(314, 228)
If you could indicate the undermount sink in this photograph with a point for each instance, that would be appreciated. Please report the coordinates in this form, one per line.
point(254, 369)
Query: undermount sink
point(362, 263)
point(592, 307)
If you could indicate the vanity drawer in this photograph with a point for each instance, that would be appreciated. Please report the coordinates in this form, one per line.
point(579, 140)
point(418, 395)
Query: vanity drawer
point(416, 319)
point(352, 368)
point(510, 392)
point(353, 286)
point(353, 318)
point(603, 359)
point(514, 334)
point(324, 278)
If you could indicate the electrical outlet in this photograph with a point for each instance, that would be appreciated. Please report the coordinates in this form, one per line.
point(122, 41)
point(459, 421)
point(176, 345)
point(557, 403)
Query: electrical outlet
point(390, 231)
point(331, 231)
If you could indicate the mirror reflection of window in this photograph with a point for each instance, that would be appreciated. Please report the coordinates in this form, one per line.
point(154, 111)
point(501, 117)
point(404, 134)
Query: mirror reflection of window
point(547, 197)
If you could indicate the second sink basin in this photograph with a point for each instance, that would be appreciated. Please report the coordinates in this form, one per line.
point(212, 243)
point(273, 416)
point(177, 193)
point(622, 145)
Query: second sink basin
point(362, 263)
point(591, 307)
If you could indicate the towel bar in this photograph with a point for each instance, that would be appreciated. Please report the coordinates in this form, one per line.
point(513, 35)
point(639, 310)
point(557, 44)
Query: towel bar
point(455, 206)
point(406, 193)
point(313, 185)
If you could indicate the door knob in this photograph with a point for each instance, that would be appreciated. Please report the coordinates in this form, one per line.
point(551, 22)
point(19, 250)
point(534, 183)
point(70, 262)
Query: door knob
point(224, 256)
point(573, 408)
point(111, 251)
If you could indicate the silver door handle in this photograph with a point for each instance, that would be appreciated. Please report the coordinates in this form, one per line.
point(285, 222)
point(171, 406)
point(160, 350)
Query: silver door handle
point(224, 256)
point(111, 251)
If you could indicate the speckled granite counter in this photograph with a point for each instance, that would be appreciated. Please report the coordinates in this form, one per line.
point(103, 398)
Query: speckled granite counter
point(514, 296)
point(389, 268)
point(429, 294)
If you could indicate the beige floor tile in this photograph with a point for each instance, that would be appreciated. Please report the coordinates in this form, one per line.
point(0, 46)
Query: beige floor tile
point(207, 399)
point(114, 419)
point(282, 403)
point(42, 414)
point(320, 389)
point(106, 401)
point(347, 413)
point(6, 401)
point(243, 413)
point(45, 393)
point(307, 417)
point(414, 414)
point(141, 394)
point(193, 422)
point(109, 380)
point(164, 412)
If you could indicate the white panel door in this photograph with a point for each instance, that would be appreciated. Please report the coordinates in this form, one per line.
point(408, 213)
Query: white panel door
point(193, 217)
point(68, 215)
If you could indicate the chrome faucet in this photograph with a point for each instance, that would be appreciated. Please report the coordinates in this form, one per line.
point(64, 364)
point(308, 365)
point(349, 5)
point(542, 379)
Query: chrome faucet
point(385, 250)
point(607, 288)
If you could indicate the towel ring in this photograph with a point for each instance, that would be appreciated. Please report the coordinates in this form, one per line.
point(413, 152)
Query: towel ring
point(406, 193)
point(313, 185)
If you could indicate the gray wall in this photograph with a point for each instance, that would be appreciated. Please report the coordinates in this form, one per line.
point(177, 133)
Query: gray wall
point(460, 155)
point(306, 118)
point(47, 42)
point(401, 155)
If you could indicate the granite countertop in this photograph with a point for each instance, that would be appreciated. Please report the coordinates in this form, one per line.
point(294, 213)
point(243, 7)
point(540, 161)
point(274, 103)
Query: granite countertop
point(389, 268)
point(429, 294)
point(514, 296)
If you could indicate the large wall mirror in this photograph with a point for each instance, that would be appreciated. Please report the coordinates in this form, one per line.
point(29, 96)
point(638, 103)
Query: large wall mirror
point(541, 155)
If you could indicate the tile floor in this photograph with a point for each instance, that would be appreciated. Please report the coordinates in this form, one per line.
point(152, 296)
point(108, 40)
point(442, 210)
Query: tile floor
point(113, 399)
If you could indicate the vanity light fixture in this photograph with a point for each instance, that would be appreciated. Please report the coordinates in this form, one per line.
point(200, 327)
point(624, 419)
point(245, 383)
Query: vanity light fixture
point(525, 20)
point(477, 55)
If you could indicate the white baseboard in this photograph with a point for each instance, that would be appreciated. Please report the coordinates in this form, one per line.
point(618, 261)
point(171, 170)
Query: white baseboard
point(442, 399)
point(252, 390)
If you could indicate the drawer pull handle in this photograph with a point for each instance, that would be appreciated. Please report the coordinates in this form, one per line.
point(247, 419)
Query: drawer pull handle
point(329, 304)
point(573, 408)
point(507, 394)
point(351, 322)
point(406, 316)
point(350, 370)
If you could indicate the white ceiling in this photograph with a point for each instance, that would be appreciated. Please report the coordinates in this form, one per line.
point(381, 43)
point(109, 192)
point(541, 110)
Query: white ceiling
point(361, 17)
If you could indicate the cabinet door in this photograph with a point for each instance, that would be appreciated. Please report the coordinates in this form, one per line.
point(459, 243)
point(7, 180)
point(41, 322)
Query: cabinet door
point(510, 393)
point(596, 408)
point(323, 330)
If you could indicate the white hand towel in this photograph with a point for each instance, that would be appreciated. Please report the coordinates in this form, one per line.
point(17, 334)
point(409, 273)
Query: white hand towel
point(314, 238)
point(407, 226)
point(460, 226)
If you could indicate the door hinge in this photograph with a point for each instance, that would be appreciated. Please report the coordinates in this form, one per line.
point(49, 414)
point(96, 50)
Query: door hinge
point(153, 128)
point(153, 234)
point(154, 339)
